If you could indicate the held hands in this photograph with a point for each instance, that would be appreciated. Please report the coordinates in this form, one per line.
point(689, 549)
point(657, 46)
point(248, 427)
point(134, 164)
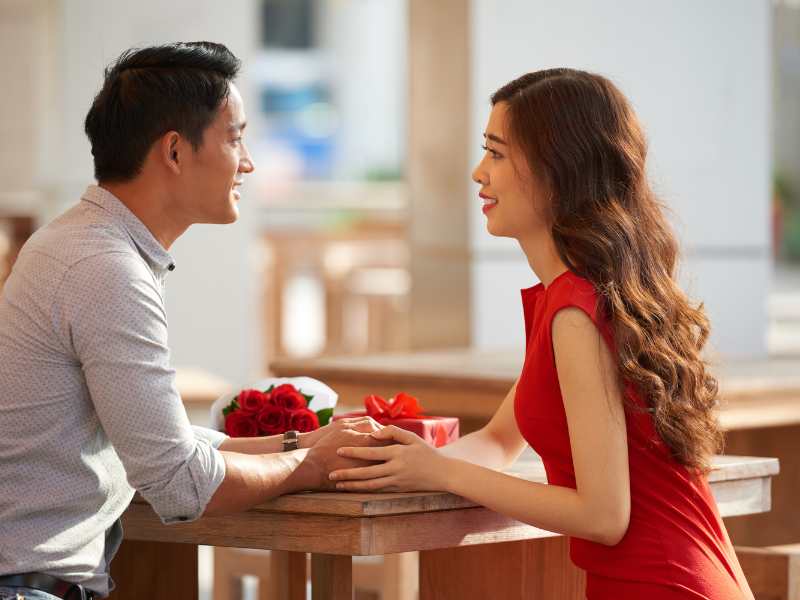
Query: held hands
point(360, 424)
point(409, 464)
point(322, 458)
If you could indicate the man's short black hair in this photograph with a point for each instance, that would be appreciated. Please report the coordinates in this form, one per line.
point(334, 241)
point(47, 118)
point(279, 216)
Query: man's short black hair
point(150, 91)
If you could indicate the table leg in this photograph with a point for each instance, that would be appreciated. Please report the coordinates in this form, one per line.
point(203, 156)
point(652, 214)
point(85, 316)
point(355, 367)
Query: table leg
point(510, 570)
point(331, 577)
point(155, 570)
point(287, 576)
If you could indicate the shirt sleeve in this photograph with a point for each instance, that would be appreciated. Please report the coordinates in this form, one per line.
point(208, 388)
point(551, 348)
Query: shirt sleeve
point(112, 317)
point(212, 436)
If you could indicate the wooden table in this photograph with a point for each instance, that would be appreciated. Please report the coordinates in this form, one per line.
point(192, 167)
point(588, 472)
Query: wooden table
point(467, 551)
point(760, 409)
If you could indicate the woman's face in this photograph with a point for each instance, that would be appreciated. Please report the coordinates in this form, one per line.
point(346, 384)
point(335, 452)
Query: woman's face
point(509, 192)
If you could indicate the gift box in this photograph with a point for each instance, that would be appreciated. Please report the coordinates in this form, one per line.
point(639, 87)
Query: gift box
point(404, 411)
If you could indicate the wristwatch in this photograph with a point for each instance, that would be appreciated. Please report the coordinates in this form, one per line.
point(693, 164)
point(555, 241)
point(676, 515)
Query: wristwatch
point(291, 440)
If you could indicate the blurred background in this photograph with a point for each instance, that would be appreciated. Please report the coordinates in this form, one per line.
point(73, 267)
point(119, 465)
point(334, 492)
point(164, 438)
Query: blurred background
point(360, 229)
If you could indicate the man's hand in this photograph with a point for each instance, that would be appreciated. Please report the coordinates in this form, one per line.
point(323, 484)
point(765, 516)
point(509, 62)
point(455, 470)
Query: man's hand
point(361, 424)
point(322, 457)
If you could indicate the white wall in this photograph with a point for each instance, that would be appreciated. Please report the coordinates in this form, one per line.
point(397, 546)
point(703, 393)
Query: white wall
point(697, 74)
point(211, 307)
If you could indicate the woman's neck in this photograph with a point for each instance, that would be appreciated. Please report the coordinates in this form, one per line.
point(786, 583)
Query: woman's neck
point(543, 257)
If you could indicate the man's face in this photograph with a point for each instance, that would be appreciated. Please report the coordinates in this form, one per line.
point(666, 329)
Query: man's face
point(214, 172)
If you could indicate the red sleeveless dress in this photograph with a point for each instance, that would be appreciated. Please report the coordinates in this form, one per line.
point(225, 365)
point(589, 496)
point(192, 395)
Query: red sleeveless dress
point(676, 546)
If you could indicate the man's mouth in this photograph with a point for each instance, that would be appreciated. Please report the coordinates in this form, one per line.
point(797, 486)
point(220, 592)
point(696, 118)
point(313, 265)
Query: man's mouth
point(236, 193)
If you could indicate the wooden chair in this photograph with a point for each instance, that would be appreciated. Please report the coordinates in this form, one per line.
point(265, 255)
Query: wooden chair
point(393, 577)
point(344, 263)
point(773, 572)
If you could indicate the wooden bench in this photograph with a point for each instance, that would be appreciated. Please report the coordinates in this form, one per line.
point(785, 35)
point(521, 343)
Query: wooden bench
point(773, 572)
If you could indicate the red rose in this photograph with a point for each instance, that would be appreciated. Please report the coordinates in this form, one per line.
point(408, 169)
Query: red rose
point(252, 401)
point(239, 424)
point(304, 420)
point(273, 419)
point(287, 396)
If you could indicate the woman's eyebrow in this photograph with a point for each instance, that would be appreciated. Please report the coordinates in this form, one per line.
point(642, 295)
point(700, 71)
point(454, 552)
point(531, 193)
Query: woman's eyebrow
point(494, 138)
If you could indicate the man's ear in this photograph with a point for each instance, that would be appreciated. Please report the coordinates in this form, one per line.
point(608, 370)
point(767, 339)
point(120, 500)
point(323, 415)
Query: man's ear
point(170, 151)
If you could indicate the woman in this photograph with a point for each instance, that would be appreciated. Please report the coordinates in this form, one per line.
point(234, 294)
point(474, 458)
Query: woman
point(614, 394)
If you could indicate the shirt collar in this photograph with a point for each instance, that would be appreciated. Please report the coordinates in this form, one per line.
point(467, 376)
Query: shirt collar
point(148, 246)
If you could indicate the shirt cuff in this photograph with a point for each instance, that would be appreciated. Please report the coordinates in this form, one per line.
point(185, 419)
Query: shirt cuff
point(212, 436)
point(203, 474)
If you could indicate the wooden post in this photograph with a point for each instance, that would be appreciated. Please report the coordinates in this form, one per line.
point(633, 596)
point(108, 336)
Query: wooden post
point(438, 172)
point(331, 577)
point(287, 576)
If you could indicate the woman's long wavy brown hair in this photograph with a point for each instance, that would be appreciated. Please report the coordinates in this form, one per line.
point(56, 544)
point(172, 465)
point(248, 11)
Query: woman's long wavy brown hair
point(582, 140)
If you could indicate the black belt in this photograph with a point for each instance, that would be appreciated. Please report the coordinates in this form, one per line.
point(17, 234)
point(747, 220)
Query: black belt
point(49, 584)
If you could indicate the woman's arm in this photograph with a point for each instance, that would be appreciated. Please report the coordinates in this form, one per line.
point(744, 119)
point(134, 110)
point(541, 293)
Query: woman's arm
point(497, 445)
point(598, 510)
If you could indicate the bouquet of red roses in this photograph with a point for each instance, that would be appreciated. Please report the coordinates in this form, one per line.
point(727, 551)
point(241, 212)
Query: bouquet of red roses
point(278, 409)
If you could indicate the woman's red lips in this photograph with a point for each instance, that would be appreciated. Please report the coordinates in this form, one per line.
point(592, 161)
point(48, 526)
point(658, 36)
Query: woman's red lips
point(488, 202)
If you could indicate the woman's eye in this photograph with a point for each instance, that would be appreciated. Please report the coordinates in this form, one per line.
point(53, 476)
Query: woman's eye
point(494, 153)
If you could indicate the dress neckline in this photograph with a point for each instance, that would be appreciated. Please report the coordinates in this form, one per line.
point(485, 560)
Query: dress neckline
point(539, 288)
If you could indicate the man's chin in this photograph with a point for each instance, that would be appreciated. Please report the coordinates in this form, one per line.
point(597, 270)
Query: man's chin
point(231, 215)
point(223, 219)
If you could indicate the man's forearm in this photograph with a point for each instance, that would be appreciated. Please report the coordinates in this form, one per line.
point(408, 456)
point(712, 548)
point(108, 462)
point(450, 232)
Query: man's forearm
point(252, 479)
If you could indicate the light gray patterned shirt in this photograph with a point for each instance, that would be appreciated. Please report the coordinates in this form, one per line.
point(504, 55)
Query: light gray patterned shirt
point(89, 411)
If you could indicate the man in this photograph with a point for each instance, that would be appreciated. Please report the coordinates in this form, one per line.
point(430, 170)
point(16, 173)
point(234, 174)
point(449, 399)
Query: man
point(89, 411)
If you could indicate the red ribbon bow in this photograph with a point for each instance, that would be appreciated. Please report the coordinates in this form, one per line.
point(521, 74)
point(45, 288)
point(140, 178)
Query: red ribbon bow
point(402, 406)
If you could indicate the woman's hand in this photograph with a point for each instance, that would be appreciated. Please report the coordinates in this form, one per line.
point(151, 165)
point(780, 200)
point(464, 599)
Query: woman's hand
point(409, 465)
point(360, 424)
point(323, 458)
